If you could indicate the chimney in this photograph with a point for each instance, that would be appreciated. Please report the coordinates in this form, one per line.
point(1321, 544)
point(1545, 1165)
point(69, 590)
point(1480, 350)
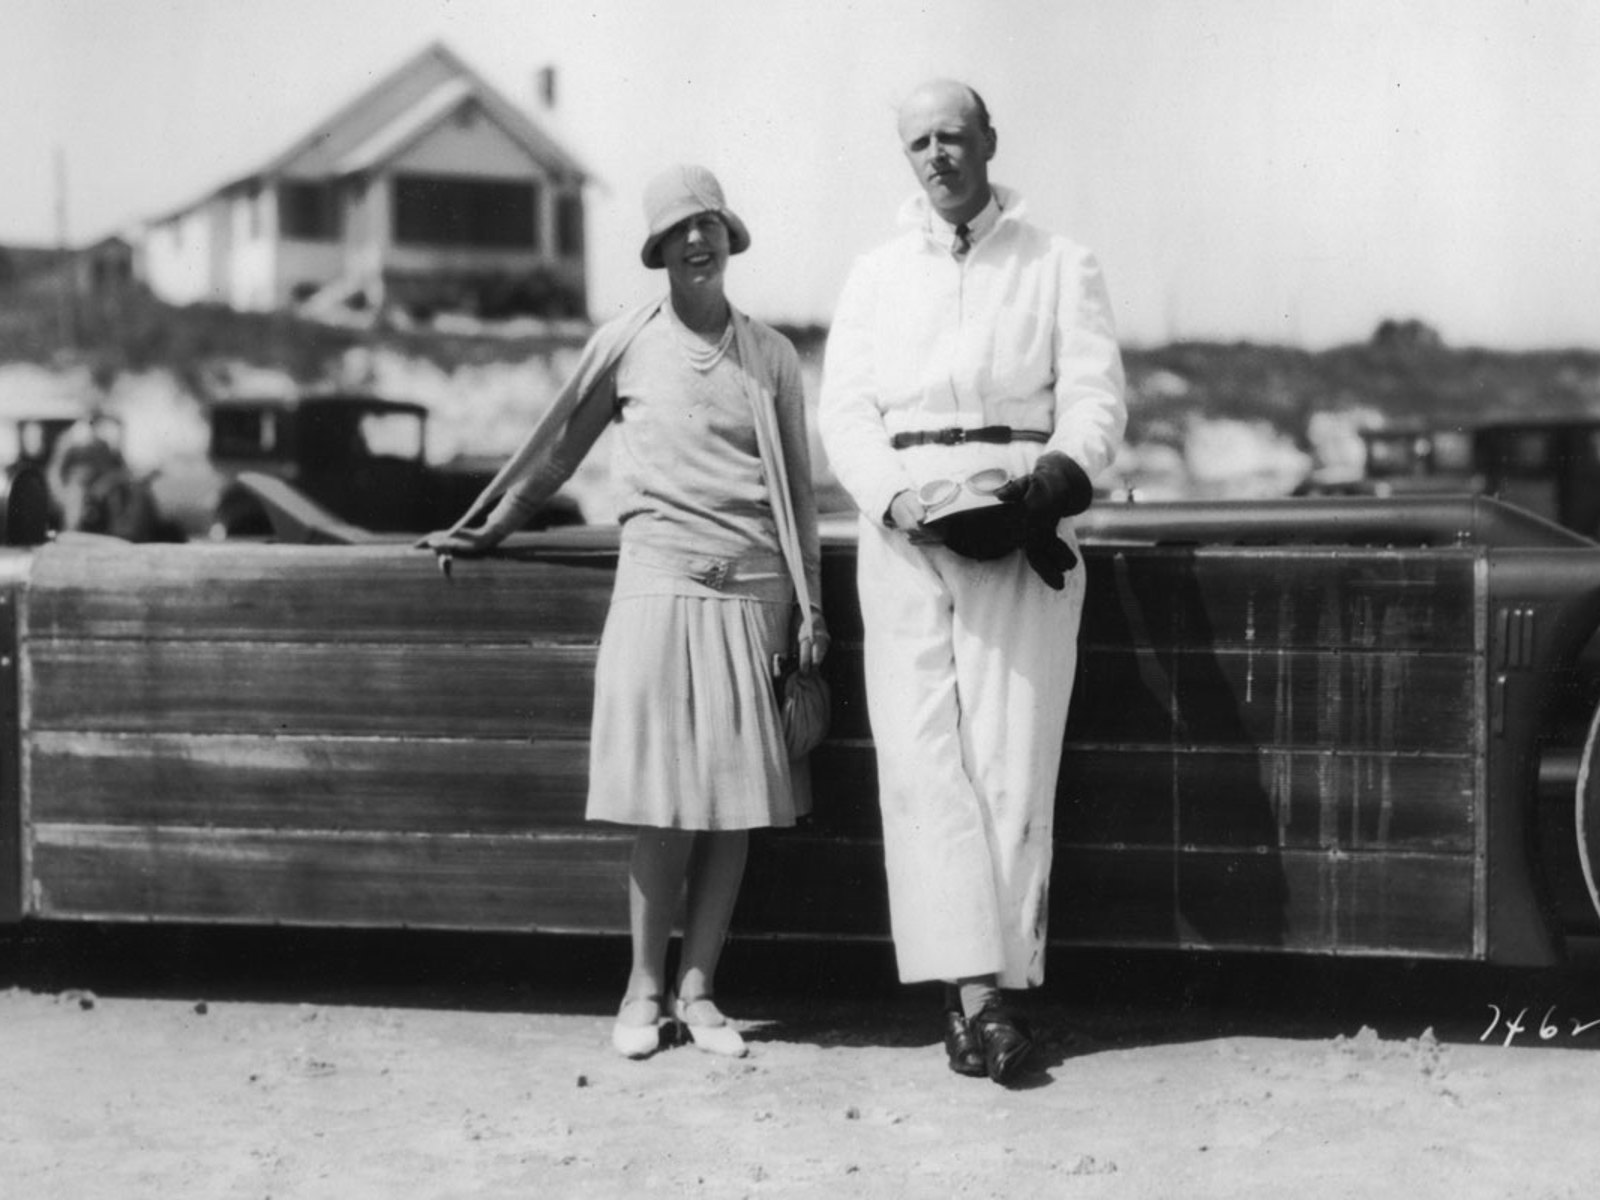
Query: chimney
point(544, 88)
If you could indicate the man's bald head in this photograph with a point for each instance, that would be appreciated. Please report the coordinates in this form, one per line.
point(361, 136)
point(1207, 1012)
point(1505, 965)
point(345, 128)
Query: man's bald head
point(951, 90)
point(948, 140)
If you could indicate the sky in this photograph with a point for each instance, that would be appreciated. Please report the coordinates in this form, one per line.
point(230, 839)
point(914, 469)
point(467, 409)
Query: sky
point(1284, 171)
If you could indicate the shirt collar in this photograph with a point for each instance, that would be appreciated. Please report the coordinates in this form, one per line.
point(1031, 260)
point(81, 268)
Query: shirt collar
point(1004, 204)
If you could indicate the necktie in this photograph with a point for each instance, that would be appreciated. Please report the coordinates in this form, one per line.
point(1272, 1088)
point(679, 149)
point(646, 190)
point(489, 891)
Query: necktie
point(963, 241)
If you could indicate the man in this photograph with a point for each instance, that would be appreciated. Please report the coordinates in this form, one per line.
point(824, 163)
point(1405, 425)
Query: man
point(972, 369)
point(85, 459)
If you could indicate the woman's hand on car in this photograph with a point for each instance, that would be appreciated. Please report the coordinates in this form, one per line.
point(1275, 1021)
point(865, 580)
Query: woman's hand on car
point(449, 544)
point(462, 542)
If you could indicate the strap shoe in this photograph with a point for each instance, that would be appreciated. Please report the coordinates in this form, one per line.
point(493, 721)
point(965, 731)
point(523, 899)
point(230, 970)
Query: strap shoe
point(637, 1031)
point(708, 1029)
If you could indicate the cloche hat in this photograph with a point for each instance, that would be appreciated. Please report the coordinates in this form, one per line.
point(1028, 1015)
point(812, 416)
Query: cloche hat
point(679, 193)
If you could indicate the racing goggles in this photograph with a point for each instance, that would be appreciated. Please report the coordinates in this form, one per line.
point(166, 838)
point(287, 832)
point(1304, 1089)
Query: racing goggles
point(975, 491)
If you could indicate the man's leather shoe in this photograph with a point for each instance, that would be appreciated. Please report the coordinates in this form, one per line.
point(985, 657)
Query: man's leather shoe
point(1007, 1041)
point(962, 1044)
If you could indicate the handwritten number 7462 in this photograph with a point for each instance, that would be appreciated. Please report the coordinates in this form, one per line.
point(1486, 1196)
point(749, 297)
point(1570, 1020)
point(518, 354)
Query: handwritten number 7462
point(1547, 1027)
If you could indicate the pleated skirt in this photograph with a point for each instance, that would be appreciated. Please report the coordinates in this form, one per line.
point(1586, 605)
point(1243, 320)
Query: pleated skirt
point(686, 731)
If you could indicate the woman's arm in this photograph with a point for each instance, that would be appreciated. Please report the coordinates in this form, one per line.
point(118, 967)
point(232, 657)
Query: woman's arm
point(789, 399)
point(556, 448)
point(552, 451)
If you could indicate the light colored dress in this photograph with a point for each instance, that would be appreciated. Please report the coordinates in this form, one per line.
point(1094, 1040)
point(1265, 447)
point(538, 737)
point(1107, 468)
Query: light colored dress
point(686, 731)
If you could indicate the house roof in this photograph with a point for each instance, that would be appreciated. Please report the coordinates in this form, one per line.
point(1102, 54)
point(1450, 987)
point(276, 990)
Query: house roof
point(391, 115)
point(405, 130)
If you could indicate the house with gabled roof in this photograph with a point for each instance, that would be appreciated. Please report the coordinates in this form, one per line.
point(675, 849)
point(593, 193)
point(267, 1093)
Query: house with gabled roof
point(429, 192)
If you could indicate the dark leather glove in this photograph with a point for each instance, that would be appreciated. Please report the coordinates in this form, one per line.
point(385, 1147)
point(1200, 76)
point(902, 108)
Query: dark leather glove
point(1057, 487)
point(1049, 556)
point(983, 533)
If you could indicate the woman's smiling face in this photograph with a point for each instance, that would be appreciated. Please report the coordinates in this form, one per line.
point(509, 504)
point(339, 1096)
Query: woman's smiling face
point(695, 250)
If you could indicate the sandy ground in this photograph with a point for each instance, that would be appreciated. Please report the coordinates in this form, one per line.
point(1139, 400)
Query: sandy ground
point(287, 1064)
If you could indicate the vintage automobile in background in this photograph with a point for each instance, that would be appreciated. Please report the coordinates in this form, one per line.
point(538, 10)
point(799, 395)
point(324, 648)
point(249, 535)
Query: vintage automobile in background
point(1325, 726)
point(1547, 465)
point(1550, 466)
point(362, 458)
point(1412, 458)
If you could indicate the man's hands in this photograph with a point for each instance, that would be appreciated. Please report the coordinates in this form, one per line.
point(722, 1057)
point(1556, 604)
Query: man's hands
point(1049, 556)
point(1032, 506)
point(906, 513)
point(981, 533)
point(1057, 487)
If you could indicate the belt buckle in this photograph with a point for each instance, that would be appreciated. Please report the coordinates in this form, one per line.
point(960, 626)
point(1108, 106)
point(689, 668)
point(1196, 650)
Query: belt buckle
point(951, 437)
point(714, 574)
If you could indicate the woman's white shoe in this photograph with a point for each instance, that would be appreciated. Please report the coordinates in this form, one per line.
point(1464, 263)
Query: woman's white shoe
point(709, 1029)
point(637, 1030)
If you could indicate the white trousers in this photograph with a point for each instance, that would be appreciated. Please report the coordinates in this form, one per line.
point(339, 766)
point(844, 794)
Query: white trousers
point(969, 669)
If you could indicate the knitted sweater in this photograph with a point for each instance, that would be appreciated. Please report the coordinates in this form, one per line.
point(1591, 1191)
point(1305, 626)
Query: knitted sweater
point(684, 483)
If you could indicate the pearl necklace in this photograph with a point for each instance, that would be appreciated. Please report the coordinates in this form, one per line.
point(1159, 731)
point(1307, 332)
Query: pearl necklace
point(701, 356)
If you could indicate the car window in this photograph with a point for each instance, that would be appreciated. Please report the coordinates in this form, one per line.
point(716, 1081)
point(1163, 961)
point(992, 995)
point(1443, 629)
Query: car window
point(1452, 451)
point(1529, 453)
point(244, 433)
point(392, 435)
point(1391, 454)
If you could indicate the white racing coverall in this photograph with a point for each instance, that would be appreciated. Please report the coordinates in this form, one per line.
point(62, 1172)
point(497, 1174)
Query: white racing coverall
point(969, 664)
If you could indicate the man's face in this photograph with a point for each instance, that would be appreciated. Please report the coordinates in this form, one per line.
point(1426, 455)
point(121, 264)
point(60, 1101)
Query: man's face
point(695, 251)
point(949, 150)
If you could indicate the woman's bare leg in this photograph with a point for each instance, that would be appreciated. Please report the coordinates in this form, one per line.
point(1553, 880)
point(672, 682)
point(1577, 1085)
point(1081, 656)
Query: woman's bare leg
point(656, 874)
point(715, 873)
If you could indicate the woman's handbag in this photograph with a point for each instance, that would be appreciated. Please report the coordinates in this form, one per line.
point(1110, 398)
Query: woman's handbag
point(805, 703)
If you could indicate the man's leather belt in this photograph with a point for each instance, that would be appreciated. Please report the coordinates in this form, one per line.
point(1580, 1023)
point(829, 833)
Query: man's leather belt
point(999, 434)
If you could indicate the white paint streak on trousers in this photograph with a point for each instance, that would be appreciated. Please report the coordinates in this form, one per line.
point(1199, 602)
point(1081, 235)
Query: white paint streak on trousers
point(969, 669)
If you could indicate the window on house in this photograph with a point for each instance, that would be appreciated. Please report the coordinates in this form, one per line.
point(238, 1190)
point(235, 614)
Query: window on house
point(308, 211)
point(569, 226)
point(435, 210)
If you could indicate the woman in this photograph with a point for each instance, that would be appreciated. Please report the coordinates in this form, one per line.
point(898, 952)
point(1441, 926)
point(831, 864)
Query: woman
point(686, 743)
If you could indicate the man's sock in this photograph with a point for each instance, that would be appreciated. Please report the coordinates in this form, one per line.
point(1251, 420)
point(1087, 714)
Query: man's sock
point(978, 993)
